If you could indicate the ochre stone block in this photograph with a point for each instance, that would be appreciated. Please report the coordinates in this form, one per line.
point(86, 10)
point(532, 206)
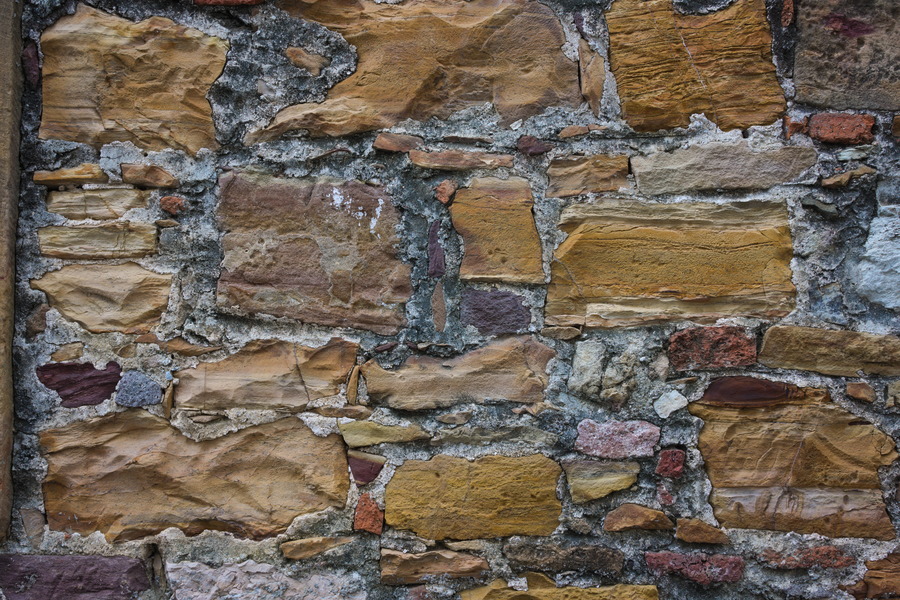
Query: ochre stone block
point(830, 352)
point(129, 239)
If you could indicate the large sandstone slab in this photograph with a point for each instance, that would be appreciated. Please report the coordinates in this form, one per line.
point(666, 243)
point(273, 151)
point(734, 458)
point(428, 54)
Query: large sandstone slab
point(107, 79)
point(400, 568)
point(501, 243)
point(132, 474)
point(830, 352)
point(318, 250)
point(38, 577)
point(669, 66)
point(104, 298)
point(129, 239)
point(629, 263)
point(494, 496)
point(847, 54)
point(787, 458)
point(720, 166)
point(267, 375)
point(95, 204)
point(454, 54)
point(513, 369)
point(541, 587)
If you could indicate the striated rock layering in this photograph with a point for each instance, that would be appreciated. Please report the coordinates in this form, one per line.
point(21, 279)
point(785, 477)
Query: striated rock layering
point(830, 352)
point(318, 250)
point(399, 568)
point(454, 54)
point(95, 204)
point(107, 79)
point(669, 66)
point(493, 496)
point(132, 474)
point(786, 458)
point(631, 263)
point(115, 240)
point(512, 369)
point(882, 579)
point(268, 375)
point(541, 587)
point(80, 384)
point(576, 175)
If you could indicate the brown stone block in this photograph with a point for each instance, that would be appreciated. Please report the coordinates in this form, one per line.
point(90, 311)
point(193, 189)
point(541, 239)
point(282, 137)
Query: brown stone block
point(80, 175)
point(831, 352)
point(399, 568)
point(635, 516)
point(128, 239)
point(457, 160)
point(578, 175)
point(541, 587)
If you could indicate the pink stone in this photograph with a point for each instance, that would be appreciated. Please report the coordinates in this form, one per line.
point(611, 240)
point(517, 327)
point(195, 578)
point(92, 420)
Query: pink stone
point(711, 348)
point(617, 439)
point(704, 569)
point(671, 463)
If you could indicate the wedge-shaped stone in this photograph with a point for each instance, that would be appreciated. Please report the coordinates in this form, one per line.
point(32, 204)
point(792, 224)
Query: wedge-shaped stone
point(830, 352)
point(720, 166)
point(494, 218)
point(786, 458)
point(577, 175)
point(132, 474)
point(95, 204)
point(541, 587)
point(107, 79)
point(590, 479)
point(399, 568)
point(368, 433)
point(267, 375)
point(493, 496)
point(80, 175)
point(318, 250)
point(512, 369)
point(104, 298)
point(629, 263)
point(669, 66)
point(455, 54)
point(115, 240)
point(636, 516)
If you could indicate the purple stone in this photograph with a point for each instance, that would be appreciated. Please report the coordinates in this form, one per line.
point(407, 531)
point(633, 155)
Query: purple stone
point(80, 384)
point(494, 312)
point(35, 577)
point(436, 264)
point(617, 439)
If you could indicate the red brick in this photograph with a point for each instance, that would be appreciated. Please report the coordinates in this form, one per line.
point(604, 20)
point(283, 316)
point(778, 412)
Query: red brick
point(841, 128)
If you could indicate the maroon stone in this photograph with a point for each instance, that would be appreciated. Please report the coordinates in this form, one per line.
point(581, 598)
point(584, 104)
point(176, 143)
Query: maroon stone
point(663, 495)
point(748, 392)
point(617, 439)
point(436, 264)
point(364, 471)
point(711, 348)
point(841, 128)
point(531, 146)
point(671, 463)
point(847, 27)
point(826, 557)
point(31, 64)
point(80, 384)
point(35, 577)
point(368, 516)
point(705, 569)
point(494, 312)
point(386, 347)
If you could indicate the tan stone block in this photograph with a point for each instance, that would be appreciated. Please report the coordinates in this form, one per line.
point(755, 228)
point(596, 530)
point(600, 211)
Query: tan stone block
point(541, 587)
point(67, 352)
point(312, 62)
point(634, 516)
point(368, 433)
point(860, 390)
point(80, 175)
point(458, 160)
point(129, 239)
point(830, 352)
point(578, 175)
point(309, 547)
point(592, 75)
point(395, 142)
point(148, 176)
point(589, 479)
point(494, 496)
point(95, 204)
point(695, 531)
point(399, 568)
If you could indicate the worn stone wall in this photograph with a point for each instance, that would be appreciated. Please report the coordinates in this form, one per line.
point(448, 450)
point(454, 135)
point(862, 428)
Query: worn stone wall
point(477, 299)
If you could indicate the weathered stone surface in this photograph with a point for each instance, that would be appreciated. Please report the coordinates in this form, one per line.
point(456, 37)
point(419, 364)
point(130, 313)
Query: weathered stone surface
point(107, 79)
point(671, 463)
point(617, 439)
point(695, 531)
point(719, 166)
point(668, 403)
point(892, 393)
point(172, 204)
point(176, 345)
point(532, 146)
point(877, 276)
point(80, 384)
point(399, 568)
point(455, 55)
point(635, 516)
point(830, 352)
point(482, 436)
point(318, 250)
point(629, 263)
point(136, 389)
point(588, 364)
point(439, 308)
point(512, 369)
point(148, 176)
point(312, 62)
point(862, 391)
point(842, 128)
point(368, 515)
point(847, 55)
point(365, 467)
point(698, 348)
point(493, 496)
point(269, 375)
point(553, 556)
point(592, 75)
point(786, 458)
point(95, 204)
point(493, 312)
point(501, 242)
point(843, 179)
point(589, 479)
point(368, 433)
point(541, 587)
point(882, 579)
point(669, 66)
point(132, 474)
point(309, 547)
point(445, 191)
point(458, 160)
point(705, 569)
point(128, 239)
point(825, 557)
point(68, 352)
point(576, 175)
point(250, 579)
point(37, 577)
point(396, 142)
point(561, 333)
point(83, 173)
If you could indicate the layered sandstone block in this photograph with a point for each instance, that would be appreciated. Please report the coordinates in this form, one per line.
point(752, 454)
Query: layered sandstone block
point(95, 204)
point(116, 240)
point(830, 352)
point(630, 263)
point(541, 587)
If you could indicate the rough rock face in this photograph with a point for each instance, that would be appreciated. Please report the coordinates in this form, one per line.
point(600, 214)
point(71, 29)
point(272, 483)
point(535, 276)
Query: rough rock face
point(512, 369)
point(107, 79)
point(494, 218)
point(785, 458)
point(877, 275)
point(628, 263)
point(116, 240)
point(695, 531)
point(830, 352)
point(882, 579)
point(493, 312)
point(847, 54)
point(95, 204)
point(318, 250)
point(711, 348)
point(251, 483)
point(669, 66)
point(578, 175)
point(617, 439)
point(454, 55)
point(269, 375)
point(555, 557)
point(104, 298)
point(399, 568)
point(37, 577)
point(705, 569)
point(308, 547)
point(80, 384)
point(541, 587)
point(589, 480)
point(493, 496)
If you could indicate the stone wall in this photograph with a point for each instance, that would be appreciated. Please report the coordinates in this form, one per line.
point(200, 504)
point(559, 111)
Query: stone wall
point(437, 299)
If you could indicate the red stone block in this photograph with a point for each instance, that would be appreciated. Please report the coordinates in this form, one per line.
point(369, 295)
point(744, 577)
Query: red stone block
point(840, 128)
point(368, 516)
point(827, 557)
point(705, 569)
point(671, 463)
point(711, 348)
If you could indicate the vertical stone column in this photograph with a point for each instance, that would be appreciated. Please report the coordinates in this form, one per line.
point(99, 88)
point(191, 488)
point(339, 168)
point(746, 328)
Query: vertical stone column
point(10, 113)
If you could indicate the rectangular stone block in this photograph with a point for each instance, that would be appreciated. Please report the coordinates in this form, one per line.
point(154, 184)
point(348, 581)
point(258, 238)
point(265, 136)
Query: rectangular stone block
point(830, 352)
point(95, 204)
point(116, 240)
